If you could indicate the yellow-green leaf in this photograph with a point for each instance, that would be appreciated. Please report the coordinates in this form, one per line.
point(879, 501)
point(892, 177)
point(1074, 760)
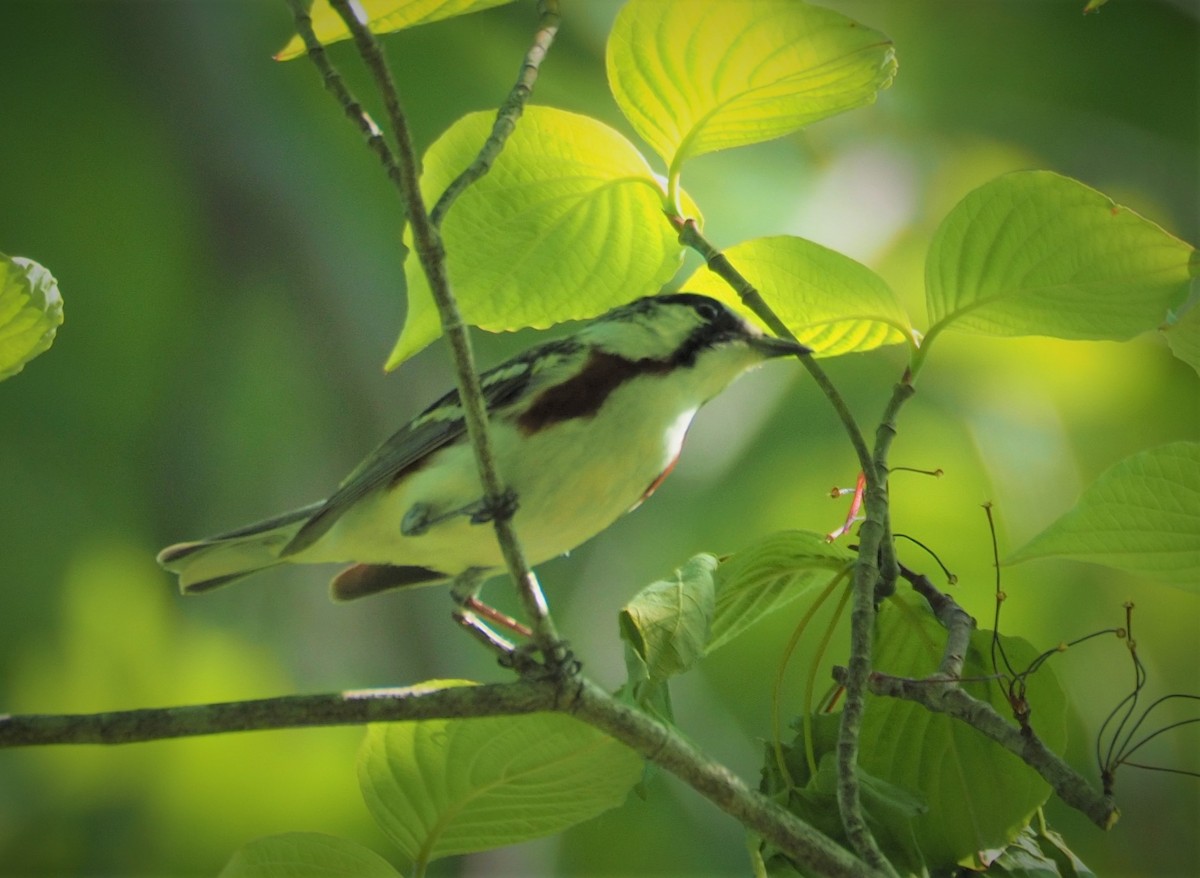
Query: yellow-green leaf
point(694, 76)
point(31, 310)
point(566, 225)
point(832, 303)
point(1035, 253)
point(306, 855)
point(667, 622)
point(382, 17)
point(1142, 515)
point(444, 787)
point(770, 574)
point(1182, 329)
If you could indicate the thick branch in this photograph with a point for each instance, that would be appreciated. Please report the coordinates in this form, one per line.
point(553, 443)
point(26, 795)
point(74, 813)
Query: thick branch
point(288, 712)
point(649, 737)
point(815, 852)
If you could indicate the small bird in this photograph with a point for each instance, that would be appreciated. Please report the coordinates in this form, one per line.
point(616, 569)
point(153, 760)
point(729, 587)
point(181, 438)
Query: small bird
point(584, 429)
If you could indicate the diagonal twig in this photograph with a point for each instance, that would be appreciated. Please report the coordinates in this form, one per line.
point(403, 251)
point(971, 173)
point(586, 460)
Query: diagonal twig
point(508, 114)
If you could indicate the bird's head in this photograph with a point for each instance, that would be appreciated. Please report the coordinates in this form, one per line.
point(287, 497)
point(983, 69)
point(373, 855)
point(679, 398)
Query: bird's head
point(684, 329)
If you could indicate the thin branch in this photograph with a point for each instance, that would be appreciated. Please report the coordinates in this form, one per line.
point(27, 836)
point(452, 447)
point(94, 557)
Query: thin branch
point(958, 623)
point(944, 697)
point(427, 243)
point(874, 542)
point(718, 263)
point(508, 114)
point(336, 86)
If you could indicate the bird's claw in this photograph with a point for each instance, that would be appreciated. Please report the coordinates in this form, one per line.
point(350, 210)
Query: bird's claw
point(491, 509)
point(528, 662)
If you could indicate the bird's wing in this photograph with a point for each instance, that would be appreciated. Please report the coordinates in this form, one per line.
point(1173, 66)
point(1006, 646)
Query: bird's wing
point(439, 425)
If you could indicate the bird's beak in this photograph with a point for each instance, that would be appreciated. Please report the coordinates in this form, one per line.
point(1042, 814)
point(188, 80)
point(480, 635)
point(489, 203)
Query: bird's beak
point(771, 346)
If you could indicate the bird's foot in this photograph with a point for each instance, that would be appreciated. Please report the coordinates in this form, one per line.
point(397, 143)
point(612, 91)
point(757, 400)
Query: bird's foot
point(490, 509)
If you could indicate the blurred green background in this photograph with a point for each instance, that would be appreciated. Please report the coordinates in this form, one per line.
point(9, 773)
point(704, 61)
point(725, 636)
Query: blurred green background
point(229, 256)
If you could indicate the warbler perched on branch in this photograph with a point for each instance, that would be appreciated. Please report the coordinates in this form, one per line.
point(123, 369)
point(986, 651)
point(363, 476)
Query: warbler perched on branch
point(584, 429)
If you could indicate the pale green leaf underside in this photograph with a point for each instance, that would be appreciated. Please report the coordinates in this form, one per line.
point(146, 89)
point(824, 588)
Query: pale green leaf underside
point(306, 855)
point(668, 621)
point(1035, 253)
point(382, 17)
point(769, 574)
point(444, 787)
point(830, 302)
point(31, 310)
point(694, 76)
point(978, 794)
point(1142, 515)
point(1038, 853)
point(567, 225)
point(1182, 330)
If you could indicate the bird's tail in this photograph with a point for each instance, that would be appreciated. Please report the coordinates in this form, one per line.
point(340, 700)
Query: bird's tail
point(207, 564)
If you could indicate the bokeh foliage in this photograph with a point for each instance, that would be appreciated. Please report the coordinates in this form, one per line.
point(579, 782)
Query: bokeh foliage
point(233, 269)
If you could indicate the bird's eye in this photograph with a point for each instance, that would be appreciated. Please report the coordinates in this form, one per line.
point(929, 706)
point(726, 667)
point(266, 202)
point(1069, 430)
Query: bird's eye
point(708, 310)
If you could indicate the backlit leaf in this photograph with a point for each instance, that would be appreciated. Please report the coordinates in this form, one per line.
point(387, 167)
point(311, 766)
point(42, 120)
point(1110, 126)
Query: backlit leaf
point(1182, 330)
point(1141, 515)
point(567, 225)
point(382, 17)
point(694, 76)
point(444, 787)
point(306, 855)
point(667, 622)
point(31, 310)
point(1034, 253)
point(830, 302)
point(770, 574)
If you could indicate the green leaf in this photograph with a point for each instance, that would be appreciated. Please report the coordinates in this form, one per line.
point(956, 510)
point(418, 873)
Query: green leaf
point(1054, 846)
point(31, 310)
point(567, 225)
point(695, 76)
point(1182, 329)
point(770, 574)
point(1142, 515)
point(382, 17)
point(888, 809)
point(830, 302)
point(306, 855)
point(444, 787)
point(978, 793)
point(667, 622)
point(1038, 853)
point(1034, 253)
